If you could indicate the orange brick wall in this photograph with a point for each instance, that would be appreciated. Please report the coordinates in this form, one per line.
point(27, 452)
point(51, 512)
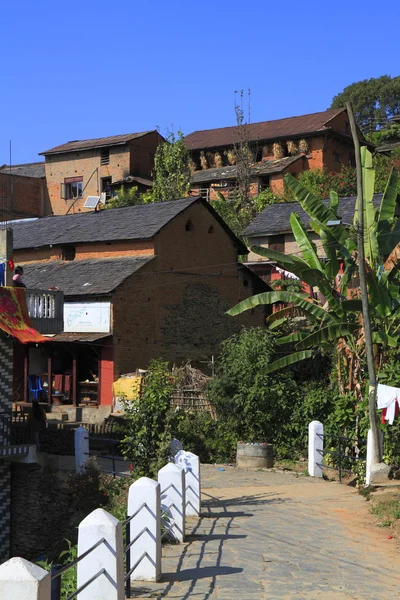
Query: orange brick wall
point(83, 164)
point(174, 307)
point(142, 153)
point(135, 158)
point(26, 196)
point(84, 251)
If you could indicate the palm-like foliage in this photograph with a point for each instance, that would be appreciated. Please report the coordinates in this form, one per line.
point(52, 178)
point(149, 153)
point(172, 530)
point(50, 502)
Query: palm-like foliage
point(338, 321)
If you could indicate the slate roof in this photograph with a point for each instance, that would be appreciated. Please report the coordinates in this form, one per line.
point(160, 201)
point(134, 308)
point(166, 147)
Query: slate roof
point(112, 140)
point(140, 222)
point(265, 130)
point(388, 147)
point(89, 277)
point(118, 224)
point(275, 218)
point(35, 169)
point(267, 167)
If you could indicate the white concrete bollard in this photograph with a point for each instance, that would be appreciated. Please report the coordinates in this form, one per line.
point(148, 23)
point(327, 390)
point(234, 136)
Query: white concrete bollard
point(191, 464)
point(315, 448)
point(369, 455)
point(22, 580)
point(108, 555)
point(81, 441)
point(173, 499)
point(145, 529)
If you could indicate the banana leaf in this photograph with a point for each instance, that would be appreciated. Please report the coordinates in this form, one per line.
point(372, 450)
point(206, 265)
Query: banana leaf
point(332, 264)
point(278, 322)
point(387, 210)
point(286, 361)
point(390, 241)
point(380, 299)
point(318, 279)
point(285, 313)
point(299, 300)
point(380, 337)
point(370, 213)
point(331, 333)
point(292, 338)
point(315, 208)
point(304, 242)
point(334, 201)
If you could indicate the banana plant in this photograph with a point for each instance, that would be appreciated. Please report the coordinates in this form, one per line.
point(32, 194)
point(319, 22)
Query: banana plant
point(337, 324)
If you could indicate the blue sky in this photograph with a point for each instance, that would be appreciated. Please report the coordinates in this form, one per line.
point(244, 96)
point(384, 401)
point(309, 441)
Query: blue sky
point(75, 70)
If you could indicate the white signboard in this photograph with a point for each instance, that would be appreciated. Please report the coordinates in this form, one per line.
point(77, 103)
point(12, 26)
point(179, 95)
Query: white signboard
point(90, 317)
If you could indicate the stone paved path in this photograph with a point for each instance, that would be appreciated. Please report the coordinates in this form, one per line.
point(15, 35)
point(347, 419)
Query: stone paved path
point(272, 535)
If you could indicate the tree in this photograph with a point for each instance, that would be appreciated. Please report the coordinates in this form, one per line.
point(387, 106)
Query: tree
point(374, 102)
point(337, 324)
point(127, 197)
point(171, 170)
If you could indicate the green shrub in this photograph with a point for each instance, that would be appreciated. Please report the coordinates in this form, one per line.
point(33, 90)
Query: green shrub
point(148, 422)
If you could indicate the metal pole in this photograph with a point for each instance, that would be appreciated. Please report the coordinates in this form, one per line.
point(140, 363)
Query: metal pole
point(376, 458)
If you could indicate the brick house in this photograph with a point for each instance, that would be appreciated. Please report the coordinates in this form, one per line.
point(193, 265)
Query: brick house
point(271, 229)
point(23, 191)
point(315, 141)
point(83, 168)
point(141, 282)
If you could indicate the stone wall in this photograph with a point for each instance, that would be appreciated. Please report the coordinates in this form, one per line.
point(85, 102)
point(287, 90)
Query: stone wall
point(45, 510)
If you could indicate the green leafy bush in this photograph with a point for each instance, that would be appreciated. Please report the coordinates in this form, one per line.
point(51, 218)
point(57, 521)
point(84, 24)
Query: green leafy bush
point(148, 422)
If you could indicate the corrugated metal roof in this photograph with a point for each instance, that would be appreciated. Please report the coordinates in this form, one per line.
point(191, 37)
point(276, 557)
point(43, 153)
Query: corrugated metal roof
point(265, 130)
point(112, 140)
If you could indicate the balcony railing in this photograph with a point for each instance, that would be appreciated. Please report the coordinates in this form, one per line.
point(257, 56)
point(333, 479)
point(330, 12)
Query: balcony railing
point(15, 434)
point(46, 310)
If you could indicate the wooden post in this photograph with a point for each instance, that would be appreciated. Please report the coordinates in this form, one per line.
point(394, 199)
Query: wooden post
point(362, 271)
point(26, 373)
point(74, 383)
point(49, 379)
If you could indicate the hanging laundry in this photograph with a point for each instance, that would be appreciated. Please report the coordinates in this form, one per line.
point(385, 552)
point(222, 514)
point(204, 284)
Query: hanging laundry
point(388, 402)
point(2, 273)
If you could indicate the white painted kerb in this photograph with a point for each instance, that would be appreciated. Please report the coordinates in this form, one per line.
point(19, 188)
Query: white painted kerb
point(146, 526)
point(191, 463)
point(315, 448)
point(173, 499)
point(109, 556)
point(22, 580)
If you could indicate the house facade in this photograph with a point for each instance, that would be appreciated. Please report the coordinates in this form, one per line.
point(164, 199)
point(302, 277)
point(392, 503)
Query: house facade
point(23, 191)
point(83, 168)
point(316, 141)
point(143, 282)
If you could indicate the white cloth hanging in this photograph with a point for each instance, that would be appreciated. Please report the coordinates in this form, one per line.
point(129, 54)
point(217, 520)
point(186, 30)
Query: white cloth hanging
point(387, 398)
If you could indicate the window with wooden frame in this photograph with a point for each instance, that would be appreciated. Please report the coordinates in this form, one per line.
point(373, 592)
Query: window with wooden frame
point(277, 243)
point(72, 188)
point(105, 156)
point(68, 253)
